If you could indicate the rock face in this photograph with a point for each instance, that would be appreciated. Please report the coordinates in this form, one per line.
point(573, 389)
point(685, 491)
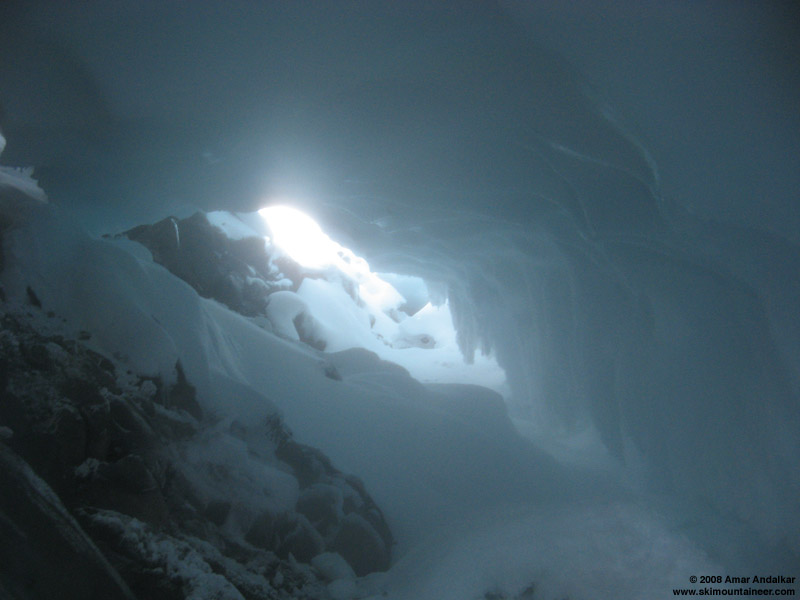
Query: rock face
point(246, 274)
point(237, 273)
point(332, 503)
point(118, 486)
point(44, 552)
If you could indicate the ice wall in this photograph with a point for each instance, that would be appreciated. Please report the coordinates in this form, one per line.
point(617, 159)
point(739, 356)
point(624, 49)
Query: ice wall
point(615, 310)
point(672, 337)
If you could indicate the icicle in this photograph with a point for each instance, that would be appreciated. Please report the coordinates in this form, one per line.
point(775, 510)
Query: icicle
point(177, 232)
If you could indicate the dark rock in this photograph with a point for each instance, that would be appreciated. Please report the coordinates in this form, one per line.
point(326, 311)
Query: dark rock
point(130, 429)
point(375, 517)
point(141, 557)
point(217, 511)
point(183, 395)
point(263, 533)
point(66, 440)
point(298, 538)
point(130, 473)
point(529, 593)
point(327, 494)
point(277, 431)
point(238, 430)
point(184, 500)
point(51, 438)
point(3, 377)
point(361, 546)
point(354, 494)
point(37, 356)
point(116, 446)
point(161, 565)
point(172, 424)
point(44, 553)
point(309, 464)
point(322, 505)
point(363, 504)
point(105, 371)
point(286, 533)
point(97, 414)
point(83, 391)
point(126, 486)
point(331, 372)
point(33, 299)
point(213, 264)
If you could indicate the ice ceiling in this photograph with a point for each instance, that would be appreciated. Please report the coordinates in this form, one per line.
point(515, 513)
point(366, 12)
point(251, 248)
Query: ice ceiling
point(606, 192)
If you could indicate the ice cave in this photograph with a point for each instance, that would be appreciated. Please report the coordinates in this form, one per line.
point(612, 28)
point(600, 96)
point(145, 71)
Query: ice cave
point(409, 300)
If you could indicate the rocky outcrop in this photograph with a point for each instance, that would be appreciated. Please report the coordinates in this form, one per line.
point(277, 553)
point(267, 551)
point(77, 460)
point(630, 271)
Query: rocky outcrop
point(119, 486)
point(247, 275)
point(344, 517)
point(44, 553)
point(237, 273)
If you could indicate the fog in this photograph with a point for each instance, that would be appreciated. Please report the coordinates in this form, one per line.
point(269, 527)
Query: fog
point(607, 193)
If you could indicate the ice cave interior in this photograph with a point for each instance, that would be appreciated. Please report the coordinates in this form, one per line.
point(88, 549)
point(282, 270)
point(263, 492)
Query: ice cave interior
point(589, 209)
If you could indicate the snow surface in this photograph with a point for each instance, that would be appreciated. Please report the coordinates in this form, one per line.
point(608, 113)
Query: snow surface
point(15, 180)
point(471, 503)
point(613, 550)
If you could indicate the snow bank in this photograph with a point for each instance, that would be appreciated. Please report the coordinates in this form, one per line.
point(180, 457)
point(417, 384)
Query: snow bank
point(15, 181)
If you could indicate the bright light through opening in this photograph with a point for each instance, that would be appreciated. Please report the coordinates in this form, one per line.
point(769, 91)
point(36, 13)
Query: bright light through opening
point(424, 341)
point(300, 236)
